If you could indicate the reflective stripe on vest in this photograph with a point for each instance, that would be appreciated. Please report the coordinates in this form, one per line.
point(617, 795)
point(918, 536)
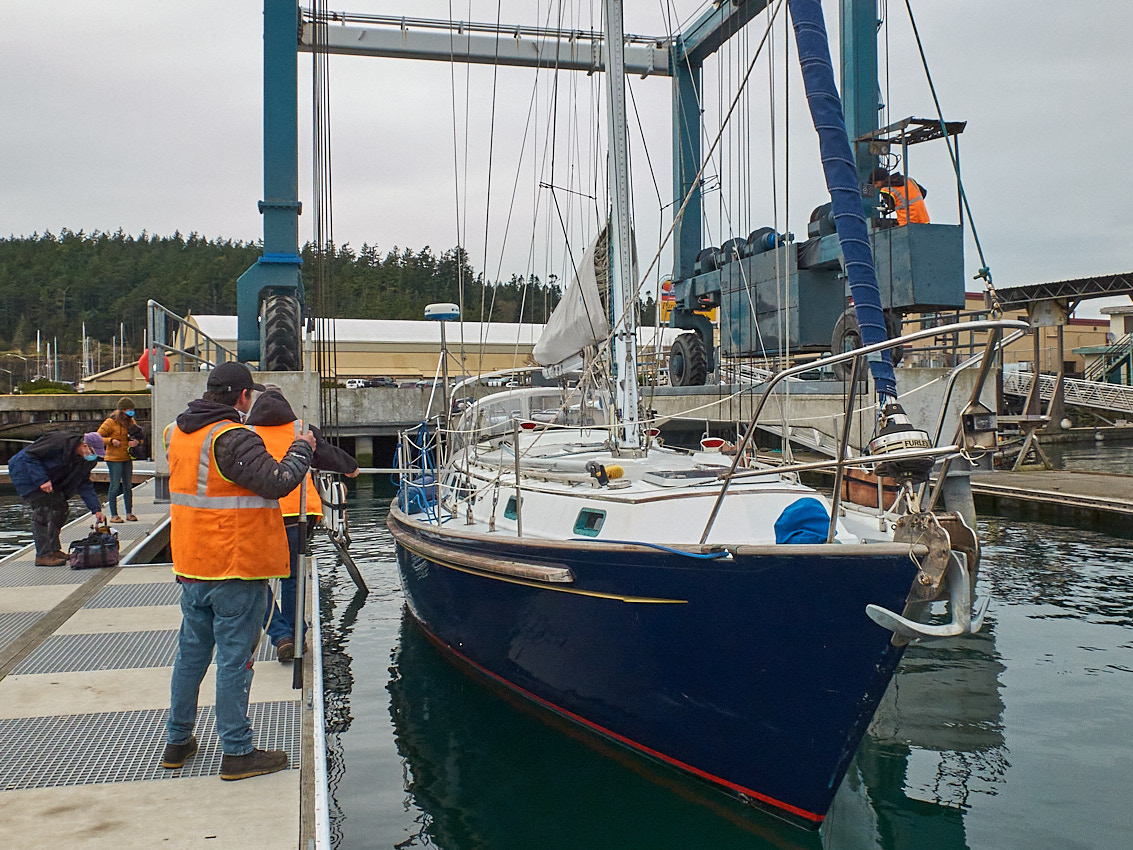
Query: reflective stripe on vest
point(278, 439)
point(219, 529)
point(908, 203)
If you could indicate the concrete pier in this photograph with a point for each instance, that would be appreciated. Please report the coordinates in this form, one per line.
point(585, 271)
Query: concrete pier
point(85, 664)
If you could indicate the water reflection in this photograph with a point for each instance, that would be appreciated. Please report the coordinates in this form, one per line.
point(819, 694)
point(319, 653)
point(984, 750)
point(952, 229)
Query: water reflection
point(487, 774)
point(1079, 572)
point(477, 771)
point(1094, 456)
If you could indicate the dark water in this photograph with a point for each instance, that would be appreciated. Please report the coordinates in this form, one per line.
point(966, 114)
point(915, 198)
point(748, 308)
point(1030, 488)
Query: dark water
point(1014, 738)
point(1018, 737)
point(1098, 456)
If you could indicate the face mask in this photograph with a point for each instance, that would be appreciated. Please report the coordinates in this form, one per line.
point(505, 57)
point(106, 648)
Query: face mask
point(129, 413)
point(91, 456)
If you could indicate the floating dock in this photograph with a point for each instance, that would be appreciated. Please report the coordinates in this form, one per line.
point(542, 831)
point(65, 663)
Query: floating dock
point(1059, 496)
point(85, 663)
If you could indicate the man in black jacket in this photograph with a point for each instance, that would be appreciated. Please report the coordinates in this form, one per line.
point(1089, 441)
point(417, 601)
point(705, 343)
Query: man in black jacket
point(224, 588)
point(46, 474)
point(268, 417)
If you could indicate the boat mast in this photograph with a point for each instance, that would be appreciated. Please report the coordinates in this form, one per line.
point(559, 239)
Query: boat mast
point(623, 318)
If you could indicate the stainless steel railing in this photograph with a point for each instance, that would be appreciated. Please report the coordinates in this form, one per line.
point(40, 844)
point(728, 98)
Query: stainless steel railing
point(187, 347)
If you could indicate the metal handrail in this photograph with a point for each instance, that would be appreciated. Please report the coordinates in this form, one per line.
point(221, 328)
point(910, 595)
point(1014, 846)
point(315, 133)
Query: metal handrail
point(988, 325)
point(1113, 356)
point(191, 346)
point(1097, 394)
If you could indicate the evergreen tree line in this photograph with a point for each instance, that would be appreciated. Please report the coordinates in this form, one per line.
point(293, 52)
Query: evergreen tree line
point(55, 284)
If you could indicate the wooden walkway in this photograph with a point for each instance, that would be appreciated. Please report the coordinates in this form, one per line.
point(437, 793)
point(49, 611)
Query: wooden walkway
point(1061, 496)
point(85, 663)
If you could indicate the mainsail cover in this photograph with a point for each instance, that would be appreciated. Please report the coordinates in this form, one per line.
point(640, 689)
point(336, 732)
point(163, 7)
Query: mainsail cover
point(579, 320)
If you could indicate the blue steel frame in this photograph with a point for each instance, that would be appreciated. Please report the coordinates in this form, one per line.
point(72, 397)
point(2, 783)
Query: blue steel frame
point(860, 97)
point(278, 269)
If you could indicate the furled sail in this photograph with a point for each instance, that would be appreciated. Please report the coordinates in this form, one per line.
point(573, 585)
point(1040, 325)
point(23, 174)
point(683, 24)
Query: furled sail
point(580, 319)
point(842, 181)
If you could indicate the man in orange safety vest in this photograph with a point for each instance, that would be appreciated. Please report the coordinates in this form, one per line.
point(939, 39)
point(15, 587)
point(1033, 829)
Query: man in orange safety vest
point(906, 198)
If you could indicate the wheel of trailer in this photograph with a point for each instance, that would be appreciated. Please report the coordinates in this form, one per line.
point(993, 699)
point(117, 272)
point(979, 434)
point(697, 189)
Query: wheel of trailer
point(848, 335)
point(280, 334)
point(688, 365)
point(893, 322)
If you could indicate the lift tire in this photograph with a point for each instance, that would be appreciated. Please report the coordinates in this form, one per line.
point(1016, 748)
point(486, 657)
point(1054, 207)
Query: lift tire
point(847, 336)
point(893, 328)
point(280, 334)
point(688, 364)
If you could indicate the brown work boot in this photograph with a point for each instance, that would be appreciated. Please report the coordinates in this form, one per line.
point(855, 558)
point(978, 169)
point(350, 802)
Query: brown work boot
point(176, 755)
point(285, 650)
point(53, 560)
point(255, 763)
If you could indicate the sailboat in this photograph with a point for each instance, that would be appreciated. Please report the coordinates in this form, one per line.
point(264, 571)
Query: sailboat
point(708, 611)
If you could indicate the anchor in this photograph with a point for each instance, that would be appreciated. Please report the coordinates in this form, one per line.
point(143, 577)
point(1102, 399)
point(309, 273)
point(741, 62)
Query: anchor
point(943, 568)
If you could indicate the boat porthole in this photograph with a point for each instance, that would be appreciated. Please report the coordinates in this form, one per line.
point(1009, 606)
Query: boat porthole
point(589, 522)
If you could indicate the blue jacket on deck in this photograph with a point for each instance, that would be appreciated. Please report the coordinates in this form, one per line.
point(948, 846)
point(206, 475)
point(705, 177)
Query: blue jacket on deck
point(54, 457)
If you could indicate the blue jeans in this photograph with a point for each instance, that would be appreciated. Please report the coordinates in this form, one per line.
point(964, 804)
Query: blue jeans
point(228, 615)
point(282, 614)
point(121, 481)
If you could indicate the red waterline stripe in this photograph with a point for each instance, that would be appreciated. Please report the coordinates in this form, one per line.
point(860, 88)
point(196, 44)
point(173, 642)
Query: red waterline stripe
point(779, 804)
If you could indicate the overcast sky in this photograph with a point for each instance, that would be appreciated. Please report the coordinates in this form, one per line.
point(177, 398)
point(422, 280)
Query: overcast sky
point(138, 115)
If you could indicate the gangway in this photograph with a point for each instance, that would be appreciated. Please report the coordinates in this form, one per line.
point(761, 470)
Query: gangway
point(1097, 395)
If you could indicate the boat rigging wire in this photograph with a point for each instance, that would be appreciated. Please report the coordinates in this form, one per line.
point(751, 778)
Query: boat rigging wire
point(461, 215)
point(984, 272)
point(325, 308)
point(488, 192)
point(700, 173)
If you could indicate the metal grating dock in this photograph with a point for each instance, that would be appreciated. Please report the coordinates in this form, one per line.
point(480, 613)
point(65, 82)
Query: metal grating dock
point(124, 746)
point(110, 651)
point(104, 643)
point(15, 623)
point(132, 595)
point(21, 574)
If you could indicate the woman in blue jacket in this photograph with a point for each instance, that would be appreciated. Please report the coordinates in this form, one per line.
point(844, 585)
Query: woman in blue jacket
point(46, 474)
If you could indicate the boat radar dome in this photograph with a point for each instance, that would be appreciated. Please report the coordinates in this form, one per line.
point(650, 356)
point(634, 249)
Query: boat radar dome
point(442, 312)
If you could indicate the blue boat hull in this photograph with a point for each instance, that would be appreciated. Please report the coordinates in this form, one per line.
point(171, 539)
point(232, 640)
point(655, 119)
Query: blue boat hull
point(758, 674)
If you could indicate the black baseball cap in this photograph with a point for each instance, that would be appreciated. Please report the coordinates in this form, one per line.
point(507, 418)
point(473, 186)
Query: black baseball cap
point(232, 376)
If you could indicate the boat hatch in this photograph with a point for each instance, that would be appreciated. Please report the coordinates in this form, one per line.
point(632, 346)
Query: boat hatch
point(509, 509)
point(680, 477)
point(589, 522)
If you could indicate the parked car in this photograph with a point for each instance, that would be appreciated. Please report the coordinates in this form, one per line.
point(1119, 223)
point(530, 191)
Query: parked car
point(404, 384)
point(355, 383)
point(382, 381)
